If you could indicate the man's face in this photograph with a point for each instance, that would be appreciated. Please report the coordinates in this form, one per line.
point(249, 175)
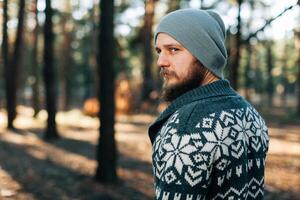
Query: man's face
point(180, 70)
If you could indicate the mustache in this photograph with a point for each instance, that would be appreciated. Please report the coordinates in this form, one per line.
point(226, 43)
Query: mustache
point(165, 72)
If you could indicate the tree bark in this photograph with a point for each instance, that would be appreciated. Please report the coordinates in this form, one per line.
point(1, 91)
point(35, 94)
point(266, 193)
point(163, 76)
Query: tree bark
point(35, 64)
point(297, 35)
point(173, 5)
point(13, 70)
point(67, 62)
point(148, 82)
point(284, 80)
point(92, 78)
point(248, 71)
point(249, 48)
point(270, 65)
point(106, 151)
point(237, 50)
point(5, 53)
point(51, 131)
point(299, 79)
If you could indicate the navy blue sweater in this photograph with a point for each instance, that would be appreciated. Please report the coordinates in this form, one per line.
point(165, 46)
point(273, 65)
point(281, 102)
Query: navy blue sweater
point(210, 143)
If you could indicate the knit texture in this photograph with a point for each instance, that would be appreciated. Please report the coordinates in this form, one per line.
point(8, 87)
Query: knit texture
point(209, 143)
point(202, 32)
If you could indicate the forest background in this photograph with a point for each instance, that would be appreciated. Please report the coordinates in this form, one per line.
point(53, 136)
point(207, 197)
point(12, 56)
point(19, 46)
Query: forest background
point(68, 66)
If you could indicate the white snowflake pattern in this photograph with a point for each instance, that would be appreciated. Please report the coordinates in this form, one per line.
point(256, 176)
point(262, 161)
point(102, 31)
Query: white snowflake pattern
point(261, 130)
point(178, 152)
point(243, 126)
point(218, 140)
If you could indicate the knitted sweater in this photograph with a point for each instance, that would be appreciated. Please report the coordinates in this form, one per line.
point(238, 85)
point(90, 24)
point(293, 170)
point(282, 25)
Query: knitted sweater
point(210, 143)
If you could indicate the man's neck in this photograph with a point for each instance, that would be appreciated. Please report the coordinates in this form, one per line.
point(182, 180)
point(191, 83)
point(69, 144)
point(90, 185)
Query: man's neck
point(209, 78)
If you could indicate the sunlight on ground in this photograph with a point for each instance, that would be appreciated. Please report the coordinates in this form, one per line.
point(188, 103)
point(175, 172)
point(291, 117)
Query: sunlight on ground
point(43, 150)
point(283, 161)
point(8, 187)
point(75, 153)
point(75, 117)
point(285, 140)
point(70, 118)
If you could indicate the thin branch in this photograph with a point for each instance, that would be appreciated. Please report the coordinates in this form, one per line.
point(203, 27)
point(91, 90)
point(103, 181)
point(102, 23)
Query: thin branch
point(268, 22)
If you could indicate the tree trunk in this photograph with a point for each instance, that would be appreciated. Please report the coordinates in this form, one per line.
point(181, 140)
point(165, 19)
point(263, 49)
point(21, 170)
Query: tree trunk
point(92, 78)
point(248, 72)
point(257, 71)
point(148, 83)
point(106, 151)
point(5, 54)
point(237, 50)
point(299, 79)
point(270, 85)
point(90, 55)
point(173, 5)
point(284, 81)
point(67, 62)
point(14, 69)
point(202, 4)
point(249, 49)
point(298, 35)
point(51, 131)
point(35, 65)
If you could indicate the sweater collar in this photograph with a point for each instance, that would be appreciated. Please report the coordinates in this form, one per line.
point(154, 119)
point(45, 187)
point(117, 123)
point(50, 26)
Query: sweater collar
point(217, 88)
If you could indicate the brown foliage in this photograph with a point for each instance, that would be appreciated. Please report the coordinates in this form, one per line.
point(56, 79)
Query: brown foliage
point(123, 98)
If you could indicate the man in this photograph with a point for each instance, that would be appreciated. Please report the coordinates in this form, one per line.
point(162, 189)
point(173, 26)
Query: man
point(209, 143)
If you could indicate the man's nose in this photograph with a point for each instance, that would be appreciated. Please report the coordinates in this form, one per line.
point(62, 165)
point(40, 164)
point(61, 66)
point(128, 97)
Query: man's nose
point(162, 60)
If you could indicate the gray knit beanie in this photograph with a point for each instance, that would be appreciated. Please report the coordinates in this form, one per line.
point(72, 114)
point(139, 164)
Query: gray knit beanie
point(201, 32)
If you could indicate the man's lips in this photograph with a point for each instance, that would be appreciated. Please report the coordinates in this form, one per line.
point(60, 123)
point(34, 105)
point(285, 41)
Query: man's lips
point(167, 73)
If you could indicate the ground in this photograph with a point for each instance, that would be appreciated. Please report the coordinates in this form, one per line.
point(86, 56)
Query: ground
point(31, 168)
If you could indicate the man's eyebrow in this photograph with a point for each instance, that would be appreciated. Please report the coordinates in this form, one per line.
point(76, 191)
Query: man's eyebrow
point(169, 45)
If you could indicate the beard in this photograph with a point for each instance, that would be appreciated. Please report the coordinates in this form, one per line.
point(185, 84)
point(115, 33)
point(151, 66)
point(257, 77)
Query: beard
point(194, 78)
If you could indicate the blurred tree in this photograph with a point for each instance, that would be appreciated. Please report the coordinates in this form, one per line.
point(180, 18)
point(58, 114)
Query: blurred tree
point(248, 48)
point(236, 52)
point(35, 63)
point(5, 50)
point(270, 66)
point(269, 21)
point(213, 4)
point(173, 5)
point(106, 151)
point(258, 66)
point(248, 70)
point(51, 131)
point(92, 77)
point(67, 59)
point(202, 4)
point(148, 82)
point(284, 81)
point(13, 69)
point(297, 41)
point(298, 47)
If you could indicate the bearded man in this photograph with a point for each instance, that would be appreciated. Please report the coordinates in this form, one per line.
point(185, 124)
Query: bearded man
point(209, 143)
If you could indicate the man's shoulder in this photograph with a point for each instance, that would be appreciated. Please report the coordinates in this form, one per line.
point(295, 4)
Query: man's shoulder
point(228, 111)
point(204, 107)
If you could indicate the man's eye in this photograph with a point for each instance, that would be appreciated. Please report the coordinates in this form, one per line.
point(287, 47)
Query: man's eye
point(173, 50)
point(158, 51)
